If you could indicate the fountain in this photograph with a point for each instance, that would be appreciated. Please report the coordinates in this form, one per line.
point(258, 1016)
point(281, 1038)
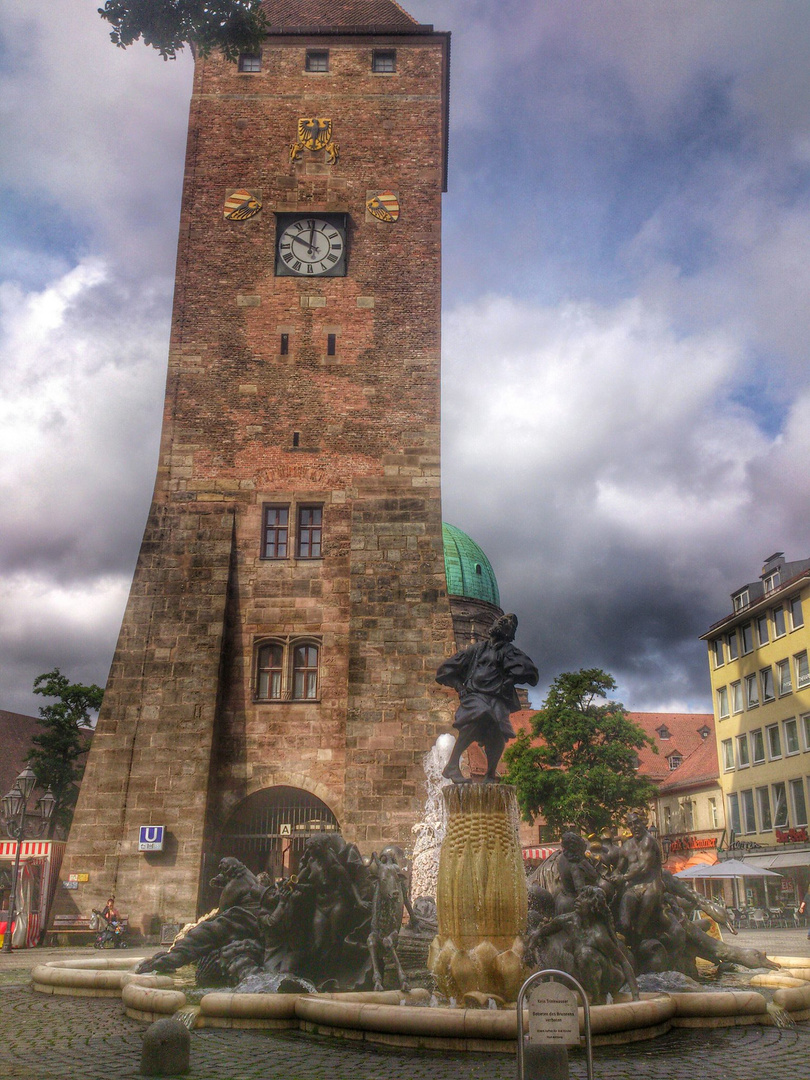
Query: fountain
point(317, 944)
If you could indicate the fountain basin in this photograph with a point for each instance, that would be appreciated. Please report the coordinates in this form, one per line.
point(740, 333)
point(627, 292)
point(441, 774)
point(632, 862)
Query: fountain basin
point(405, 1020)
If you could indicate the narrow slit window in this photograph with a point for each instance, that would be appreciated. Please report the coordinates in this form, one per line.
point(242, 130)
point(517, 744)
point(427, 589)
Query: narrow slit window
point(284, 347)
point(331, 344)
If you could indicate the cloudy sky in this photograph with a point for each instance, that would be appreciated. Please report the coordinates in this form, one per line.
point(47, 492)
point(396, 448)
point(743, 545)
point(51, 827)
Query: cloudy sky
point(626, 392)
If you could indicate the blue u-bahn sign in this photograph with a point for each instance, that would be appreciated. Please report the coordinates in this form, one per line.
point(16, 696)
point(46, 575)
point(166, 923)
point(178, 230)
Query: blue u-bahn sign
point(151, 838)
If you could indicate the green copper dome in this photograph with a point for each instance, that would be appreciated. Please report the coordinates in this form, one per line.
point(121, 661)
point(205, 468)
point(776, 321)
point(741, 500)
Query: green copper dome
point(468, 570)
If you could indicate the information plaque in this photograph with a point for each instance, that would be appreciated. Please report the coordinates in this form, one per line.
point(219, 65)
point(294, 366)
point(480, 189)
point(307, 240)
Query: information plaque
point(553, 1015)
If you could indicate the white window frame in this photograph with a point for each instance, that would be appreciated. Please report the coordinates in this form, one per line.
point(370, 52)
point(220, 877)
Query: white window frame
point(800, 660)
point(736, 697)
point(805, 721)
point(751, 700)
point(793, 603)
point(775, 804)
point(790, 725)
point(755, 736)
point(768, 740)
point(747, 805)
point(763, 696)
point(777, 633)
point(743, 752)
point(762, 625)
point(733, 811)
point(799, 815)
point(764, 796)
point(785, 681)
point(722, 702)
point(728, 755)
point(732, 644)
point(719, 652)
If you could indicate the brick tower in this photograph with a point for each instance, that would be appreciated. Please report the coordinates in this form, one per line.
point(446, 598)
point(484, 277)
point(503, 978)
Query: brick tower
point(274, 671)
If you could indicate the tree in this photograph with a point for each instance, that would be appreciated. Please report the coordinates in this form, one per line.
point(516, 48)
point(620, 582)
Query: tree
point(583, 771)
point(234, 26)
point(58, 753)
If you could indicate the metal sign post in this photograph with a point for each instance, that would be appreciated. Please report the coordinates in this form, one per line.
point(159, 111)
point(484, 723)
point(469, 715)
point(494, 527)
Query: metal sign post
point(553, 1016)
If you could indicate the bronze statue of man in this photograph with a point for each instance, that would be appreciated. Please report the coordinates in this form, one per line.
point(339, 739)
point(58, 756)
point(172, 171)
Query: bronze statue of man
point(485, 675)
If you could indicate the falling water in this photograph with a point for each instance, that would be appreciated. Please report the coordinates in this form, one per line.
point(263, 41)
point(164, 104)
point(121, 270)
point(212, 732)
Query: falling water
point(429, 832)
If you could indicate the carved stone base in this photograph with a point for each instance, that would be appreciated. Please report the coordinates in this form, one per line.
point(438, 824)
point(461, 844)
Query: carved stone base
point(481, 895)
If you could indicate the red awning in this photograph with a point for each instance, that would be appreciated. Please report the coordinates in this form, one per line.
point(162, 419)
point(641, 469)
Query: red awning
point(537, 854)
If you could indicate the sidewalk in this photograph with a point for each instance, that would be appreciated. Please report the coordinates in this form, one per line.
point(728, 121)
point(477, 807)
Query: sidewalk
point(45, 1037)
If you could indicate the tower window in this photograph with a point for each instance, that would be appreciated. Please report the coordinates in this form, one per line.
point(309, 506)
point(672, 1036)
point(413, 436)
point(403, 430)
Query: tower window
point(310, 532)
point(284, 347)
point(317, 60)
point(270, 672)
point(384, 61)
point(287, 670)
point(305, 672)
point(275, 533)
point(331, 344)
point(250, 62)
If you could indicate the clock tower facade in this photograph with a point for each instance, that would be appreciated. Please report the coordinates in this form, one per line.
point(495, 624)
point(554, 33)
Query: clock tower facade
point(274, 674)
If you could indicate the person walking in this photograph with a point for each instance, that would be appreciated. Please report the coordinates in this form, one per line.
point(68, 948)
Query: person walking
point(804, 907)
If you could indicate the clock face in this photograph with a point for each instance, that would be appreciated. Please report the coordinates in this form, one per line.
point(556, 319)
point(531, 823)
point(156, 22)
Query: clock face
point(311, 246)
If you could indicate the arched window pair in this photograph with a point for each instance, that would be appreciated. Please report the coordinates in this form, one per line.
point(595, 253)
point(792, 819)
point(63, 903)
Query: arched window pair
point(287, 670)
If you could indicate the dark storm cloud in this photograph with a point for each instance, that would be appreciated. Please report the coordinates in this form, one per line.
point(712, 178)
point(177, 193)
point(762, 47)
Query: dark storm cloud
point(626, 404)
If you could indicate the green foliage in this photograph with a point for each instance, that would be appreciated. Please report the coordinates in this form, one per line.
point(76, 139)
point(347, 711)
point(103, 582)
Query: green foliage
point(57, 757)
point(233, 26)
point(584, 771)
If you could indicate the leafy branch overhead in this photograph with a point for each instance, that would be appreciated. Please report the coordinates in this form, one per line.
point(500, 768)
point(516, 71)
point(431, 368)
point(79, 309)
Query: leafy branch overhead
point(581, 770)
point(59, 749)
point(233, 26)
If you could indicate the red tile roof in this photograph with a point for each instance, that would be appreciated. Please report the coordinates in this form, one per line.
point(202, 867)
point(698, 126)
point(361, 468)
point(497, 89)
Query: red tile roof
point(331, 15)
point(699, 755)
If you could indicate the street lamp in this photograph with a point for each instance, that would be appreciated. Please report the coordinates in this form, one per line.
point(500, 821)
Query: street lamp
point(15, 805)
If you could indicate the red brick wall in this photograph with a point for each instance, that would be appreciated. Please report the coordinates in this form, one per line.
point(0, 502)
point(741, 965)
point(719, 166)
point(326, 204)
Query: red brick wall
point(181, 740)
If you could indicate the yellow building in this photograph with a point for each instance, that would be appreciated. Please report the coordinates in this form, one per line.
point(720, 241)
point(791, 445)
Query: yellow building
point(758, 659)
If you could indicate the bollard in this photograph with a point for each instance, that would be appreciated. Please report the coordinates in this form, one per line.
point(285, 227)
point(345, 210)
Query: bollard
point(166, 1048)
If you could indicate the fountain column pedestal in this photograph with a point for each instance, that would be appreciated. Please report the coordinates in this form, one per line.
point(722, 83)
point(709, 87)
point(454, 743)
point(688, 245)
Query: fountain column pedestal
point(481, 895)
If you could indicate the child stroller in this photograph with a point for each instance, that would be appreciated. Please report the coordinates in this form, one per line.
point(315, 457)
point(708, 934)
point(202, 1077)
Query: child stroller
point(110, 932)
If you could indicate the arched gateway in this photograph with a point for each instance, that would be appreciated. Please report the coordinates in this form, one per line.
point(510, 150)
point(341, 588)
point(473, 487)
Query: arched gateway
point(267, 832)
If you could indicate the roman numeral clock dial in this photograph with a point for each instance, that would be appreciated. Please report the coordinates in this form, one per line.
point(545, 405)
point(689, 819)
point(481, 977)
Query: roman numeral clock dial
point(311, 246)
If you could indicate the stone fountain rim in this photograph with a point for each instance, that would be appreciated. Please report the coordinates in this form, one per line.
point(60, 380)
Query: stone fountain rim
point(379, 1018)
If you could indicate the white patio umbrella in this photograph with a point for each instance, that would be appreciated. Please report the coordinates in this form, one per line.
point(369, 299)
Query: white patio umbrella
point(729, 868)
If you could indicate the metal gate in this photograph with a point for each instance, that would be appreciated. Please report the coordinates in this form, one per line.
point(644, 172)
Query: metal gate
point(267, 832)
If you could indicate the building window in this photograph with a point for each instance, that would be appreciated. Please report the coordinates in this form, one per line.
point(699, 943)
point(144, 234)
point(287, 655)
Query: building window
point(713, 814)
point(731, 642)
point(717, 649)
point(736, 697)
point(722, 702)
point(748, 816)
point(799, 803)
point(305, 672)
point(791, 733)
point(250, 62)
point(741, 600)
point(287, 670)
point(743, 760)
point(675, 762)
point(766, 824)
point(780, 808)
point(802, 670)
point(728, 755)
point(762, 629)
point(310, 532)
point(806, 730)
point(284, 346)
point(771, 581)
point(667, 819)
point(270, 672)
point(766, 684)
point(747, 634)
point(275, 532)
point(778, 621)
point(688, 811)
point(663, 732)
point(331, 344)
point(796, 614)
point(734, 813)
point(317, 60)
point(783, 675)
point(384, 61)
point(751, 691)
point(774, 743)
point(757, 746)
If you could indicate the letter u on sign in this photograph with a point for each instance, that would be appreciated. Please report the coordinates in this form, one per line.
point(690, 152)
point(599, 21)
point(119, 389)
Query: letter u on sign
point(150, 838)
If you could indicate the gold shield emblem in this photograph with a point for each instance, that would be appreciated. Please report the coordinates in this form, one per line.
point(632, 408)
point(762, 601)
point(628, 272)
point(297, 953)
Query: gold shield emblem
point(314, 133)
point(241, 205)
point(384, 206)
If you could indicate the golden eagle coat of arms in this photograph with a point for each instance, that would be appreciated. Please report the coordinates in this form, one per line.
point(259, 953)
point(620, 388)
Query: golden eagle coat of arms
point(241, 206)
point(384, 206)
point(314, 133)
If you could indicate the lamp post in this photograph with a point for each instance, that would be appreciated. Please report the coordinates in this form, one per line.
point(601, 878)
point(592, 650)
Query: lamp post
point(15, 806)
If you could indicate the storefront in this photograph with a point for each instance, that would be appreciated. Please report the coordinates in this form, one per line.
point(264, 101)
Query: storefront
point(40, 861)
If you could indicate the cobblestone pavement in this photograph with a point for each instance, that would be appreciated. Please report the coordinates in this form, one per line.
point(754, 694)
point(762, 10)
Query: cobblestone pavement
point(44, 1037)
